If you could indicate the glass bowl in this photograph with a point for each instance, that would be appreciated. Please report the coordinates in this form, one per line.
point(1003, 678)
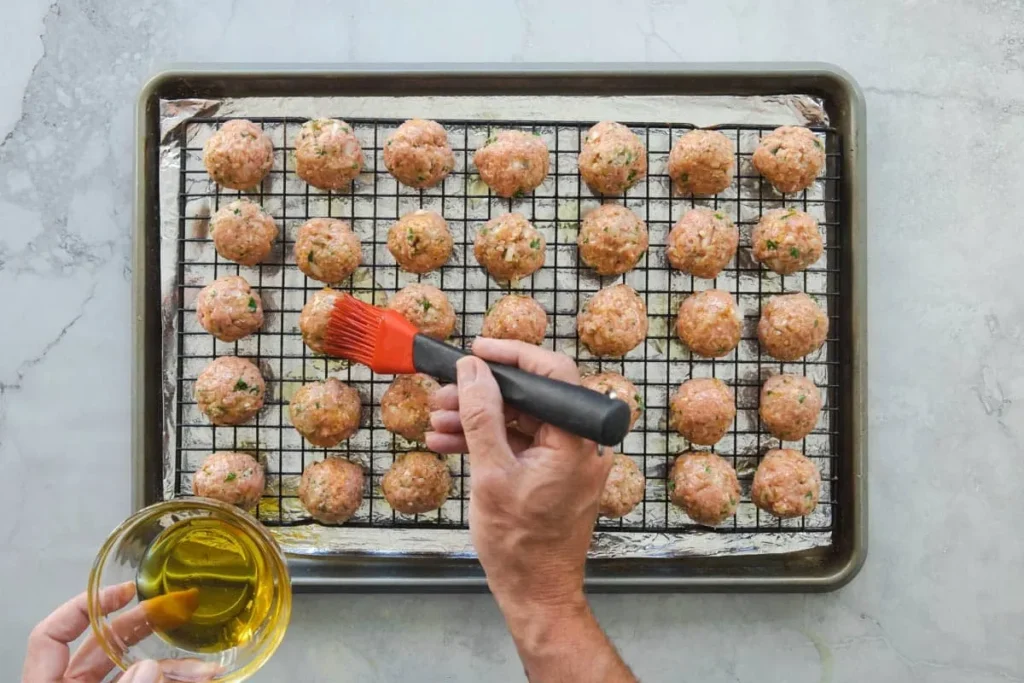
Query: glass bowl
point(209, 591)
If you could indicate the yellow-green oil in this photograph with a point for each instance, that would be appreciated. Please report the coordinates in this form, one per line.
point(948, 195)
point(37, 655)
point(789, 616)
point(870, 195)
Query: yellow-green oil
point(225, 567)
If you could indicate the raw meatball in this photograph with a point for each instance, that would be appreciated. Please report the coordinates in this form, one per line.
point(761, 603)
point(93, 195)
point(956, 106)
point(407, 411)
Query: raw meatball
point(315, 316)
point(239, 155)
point(623, 489)
point(418, 153)
point(709, 323)
point(613, 158)
point(327, 250)
point(786, 484)
point(786, 240)
point(612, 239)
point(232, 478)
point(426, 307)
point(791, 326)
point(327, 412)
point(417, 482)
point(509, 247)
point(230, 390)
point(790, 158)
point(420, 241)
point(403, 407)
point(331, 490)
point(516, 317)
point(615, 385)
point(704, 485)
point(229, 309)
point(702, 410)
point(512, 162)
point(613, 322)
point(327, 154)
point(702, 162)
point(702, 242)
point(789, 406)
point(243, 232)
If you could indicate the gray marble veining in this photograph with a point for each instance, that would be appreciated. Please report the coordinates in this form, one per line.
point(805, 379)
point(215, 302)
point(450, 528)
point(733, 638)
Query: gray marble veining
point(940, 599)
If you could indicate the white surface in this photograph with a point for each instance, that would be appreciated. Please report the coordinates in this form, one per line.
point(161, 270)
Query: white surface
point(940, 599)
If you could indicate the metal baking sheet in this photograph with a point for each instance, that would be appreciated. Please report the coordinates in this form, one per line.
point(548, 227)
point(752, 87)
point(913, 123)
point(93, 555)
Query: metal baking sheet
point(379, 548)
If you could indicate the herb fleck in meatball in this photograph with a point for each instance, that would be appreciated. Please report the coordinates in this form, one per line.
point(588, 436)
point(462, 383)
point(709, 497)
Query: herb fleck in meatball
point(512, 162)
point(612, 239)
point(327, 250)
point(516, 317)
point(331, 490)
point(239, 155)
point(243, 232)
point(790, 158)
point(230, 390)
point(509, 247)
point(327, 154)
point(417, 154)
point(702, 410)
point(702, 162)
point(232, 478)
point(229, 309)
point(613, 322)
point(705, 486)
point(790, 405)
point(786, 484)
point(403, 407)
point(624, 488)
point(420, 241)
point(426, 307)
point(315, 316)
point(786, 240)
point(709, 323)
point(612, 159)
point(791, 326)
point(702, 242)
point(615, 385)
point(417, 482)
point(327, 412)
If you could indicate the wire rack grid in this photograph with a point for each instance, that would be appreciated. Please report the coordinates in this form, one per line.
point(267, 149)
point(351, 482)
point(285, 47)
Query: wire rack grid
point(656, 367)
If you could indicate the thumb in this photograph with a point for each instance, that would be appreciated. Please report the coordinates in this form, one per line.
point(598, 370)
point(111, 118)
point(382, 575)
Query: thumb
point(143, 672)
point(481, 411)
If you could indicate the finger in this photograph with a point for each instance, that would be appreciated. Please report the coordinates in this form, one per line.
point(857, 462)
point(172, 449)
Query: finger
point(446, 421)
point(526, 424)
point(482, 413)
point(445, 398)
point(190, 669)
point(144, 672)
point(456, 443)
point(528, 357)
point(91, 663)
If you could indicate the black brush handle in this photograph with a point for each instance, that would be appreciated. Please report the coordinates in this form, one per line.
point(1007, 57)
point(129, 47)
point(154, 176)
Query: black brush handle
point(570, 407)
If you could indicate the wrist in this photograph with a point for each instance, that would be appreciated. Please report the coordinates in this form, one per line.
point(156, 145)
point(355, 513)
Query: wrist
point(535, 624)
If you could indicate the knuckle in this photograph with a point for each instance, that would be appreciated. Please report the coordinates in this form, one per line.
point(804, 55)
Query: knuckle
point(476, 416)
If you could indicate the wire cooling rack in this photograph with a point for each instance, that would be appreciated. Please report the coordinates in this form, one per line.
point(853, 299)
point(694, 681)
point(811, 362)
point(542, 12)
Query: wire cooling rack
point(657, 367)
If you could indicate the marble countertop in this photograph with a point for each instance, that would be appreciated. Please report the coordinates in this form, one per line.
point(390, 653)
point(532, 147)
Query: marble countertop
point(940, 598)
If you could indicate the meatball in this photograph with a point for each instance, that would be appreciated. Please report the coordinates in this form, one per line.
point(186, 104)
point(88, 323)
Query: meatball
point(417, 482)
point(230, 390)
point(229, 309)
point(702, 242)
point(615, 385)
point(512, 162)
point(710, 323)
point(613, 322)
point(516, 316)
point(509, 247)
point(327, 412)
point(327, 154)
point(327, 250)
point(420, 241)
point(791, 326)
point(790, 158)
point(702, 410)
point(232, 478)
point(426, 307)
point(612, 239)
point(789, 406)
point(315, 316)
point(243, 232)
point(702, 162)
point(786, 240)
point(704, 485)
point(417, 154)
point(331, 490)
point(623, 489)
point(403, 407)
point(612, 159)
point(786, 484)
point(239, 155)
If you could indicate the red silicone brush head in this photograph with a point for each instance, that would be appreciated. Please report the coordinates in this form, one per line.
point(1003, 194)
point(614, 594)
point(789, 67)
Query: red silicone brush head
point(377, 337)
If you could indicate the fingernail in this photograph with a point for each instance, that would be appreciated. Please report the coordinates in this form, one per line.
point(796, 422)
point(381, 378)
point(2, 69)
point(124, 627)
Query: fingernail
point(465, 369)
